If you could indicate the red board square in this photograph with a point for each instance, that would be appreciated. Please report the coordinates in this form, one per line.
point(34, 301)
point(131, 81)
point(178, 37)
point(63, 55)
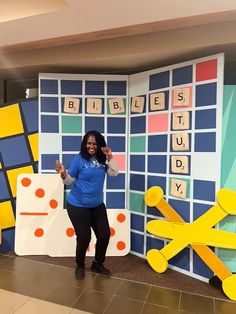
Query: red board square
point(206, 70)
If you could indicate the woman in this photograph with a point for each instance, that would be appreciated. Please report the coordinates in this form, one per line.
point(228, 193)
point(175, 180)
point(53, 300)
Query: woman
point(85, 205)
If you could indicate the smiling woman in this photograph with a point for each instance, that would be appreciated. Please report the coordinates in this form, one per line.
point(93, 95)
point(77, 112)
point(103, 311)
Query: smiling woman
point(85, 205)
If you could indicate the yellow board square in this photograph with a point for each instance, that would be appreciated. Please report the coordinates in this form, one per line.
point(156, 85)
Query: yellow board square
point(7, 219)
point(33, 140)
point(13, 174)
point(10, 121)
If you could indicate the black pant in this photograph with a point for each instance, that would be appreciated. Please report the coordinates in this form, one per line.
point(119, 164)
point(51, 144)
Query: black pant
point(82, 220)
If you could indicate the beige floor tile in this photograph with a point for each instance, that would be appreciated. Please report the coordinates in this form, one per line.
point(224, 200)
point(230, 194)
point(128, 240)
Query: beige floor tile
point(35, 306)
point(10, 301)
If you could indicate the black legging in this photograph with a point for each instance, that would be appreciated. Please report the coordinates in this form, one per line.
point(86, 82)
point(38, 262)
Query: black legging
point(82, 220)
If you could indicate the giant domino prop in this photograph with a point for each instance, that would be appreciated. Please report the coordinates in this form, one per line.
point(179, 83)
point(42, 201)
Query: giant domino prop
point(198, 234)
point(43, 226)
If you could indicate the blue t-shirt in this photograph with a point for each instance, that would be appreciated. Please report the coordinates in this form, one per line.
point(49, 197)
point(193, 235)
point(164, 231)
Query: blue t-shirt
point(87, 190)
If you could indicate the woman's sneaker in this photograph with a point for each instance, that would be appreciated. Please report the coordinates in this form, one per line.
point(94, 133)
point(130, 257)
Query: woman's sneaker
point(79, 272)
point(100, 269)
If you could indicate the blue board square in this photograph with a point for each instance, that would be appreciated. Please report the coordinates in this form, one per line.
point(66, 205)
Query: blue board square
point(157, 181)
point(49, 124)
point(71, 87)
point(48, 161)
point(15, 151)
point(138, 125)
point(153, 243)
point(157, 143)
point(182, 75)
point(94, 123)
point(137, 163)
point(200, 209)
point(153, 211)
point(116, 88)
point(181, 260)
point(200, 268)
point(115, 200)
point(67, 159)
point(116, 125)
point(4, 193)
point(137, 222)
point(117, 182)
point(8, 240)
point(94, 87)
point(157, 164)
point(181, 207)
point(137, 182)
point(49, 104)
point(204, 190)
point(159, 80)
point(71, 143)
point(205, 119)
point(205, 142)
point(137, 242)
point(206, 94)
point(117, 143)
point(30, 114)
point(48, 86)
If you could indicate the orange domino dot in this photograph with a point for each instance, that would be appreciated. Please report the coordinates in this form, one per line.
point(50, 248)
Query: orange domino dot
point(121, 217)
point(53, 204)
point(120, 245)
point(70, 232)
point(88, 248)
point(39, 232)
point(39, 193)
point(25, 182)
point(112, 232)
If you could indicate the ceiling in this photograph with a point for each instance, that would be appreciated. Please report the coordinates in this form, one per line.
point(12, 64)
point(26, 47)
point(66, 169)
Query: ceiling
point(109, 36)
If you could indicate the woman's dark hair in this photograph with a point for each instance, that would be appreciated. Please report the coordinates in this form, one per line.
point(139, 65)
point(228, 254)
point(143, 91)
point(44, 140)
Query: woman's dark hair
point(100, 143)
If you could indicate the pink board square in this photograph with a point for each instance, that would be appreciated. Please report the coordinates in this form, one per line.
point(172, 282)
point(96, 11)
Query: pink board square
point(120, 159)
point(206, 70)
point(158, 123)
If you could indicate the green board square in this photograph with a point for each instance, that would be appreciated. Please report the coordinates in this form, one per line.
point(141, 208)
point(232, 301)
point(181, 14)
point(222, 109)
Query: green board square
point(71, 124)
point(137, 144)
point(136, 202)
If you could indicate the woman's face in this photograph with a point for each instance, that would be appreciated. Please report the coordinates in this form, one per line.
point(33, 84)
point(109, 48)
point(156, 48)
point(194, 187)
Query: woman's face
point(92, 146)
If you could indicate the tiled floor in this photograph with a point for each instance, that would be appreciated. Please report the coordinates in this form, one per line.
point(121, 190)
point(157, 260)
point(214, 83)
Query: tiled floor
point(31, 287)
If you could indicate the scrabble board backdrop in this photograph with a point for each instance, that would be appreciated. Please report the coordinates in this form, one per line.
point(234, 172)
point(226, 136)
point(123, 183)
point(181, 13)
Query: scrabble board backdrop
point(163, 125)
point(175, 143)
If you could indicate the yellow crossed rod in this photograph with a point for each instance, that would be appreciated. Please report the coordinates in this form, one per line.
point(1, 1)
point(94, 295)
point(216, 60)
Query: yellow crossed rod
point(226, 204)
